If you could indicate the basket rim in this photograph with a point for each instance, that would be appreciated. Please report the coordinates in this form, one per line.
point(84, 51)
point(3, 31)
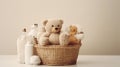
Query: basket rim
point(57, 46)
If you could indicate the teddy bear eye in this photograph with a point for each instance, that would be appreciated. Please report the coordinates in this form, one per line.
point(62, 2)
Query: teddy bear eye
point(58, 25)
point(52, 25)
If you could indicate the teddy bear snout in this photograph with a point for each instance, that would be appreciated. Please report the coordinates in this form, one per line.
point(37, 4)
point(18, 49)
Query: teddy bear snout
point(56, 28)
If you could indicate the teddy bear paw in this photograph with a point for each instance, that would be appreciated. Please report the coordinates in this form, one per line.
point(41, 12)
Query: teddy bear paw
point(44, 41)
point(64, 39)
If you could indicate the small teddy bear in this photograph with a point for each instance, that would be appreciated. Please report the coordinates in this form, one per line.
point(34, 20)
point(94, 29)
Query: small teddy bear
point(75, 34)
point(53, 34)
point(72, 33)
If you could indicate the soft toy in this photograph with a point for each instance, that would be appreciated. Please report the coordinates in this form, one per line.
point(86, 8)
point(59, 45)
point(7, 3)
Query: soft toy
point(53, 33)
point(75, 34)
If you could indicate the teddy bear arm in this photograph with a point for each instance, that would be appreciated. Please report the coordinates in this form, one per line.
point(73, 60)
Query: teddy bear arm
point(44, 41)
point(46, 34)
point(64, 39)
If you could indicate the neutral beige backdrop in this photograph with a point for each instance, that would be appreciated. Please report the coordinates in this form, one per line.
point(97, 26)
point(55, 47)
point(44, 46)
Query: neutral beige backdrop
point(100, 20)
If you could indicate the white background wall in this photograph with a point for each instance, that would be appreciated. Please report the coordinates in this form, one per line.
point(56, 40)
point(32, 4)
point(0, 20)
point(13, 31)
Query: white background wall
point(99, 18)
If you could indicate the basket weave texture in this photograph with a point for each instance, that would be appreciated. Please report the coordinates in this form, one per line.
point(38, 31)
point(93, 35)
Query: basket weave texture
point(57, 55)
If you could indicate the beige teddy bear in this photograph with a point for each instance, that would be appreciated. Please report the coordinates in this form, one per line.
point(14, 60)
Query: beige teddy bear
point(53, 33)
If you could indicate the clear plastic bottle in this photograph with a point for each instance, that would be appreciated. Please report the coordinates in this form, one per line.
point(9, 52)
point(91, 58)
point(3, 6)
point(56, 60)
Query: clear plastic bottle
point(21, 41)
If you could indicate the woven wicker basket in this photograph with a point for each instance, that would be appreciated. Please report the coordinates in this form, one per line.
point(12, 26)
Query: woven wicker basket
point(57, 55)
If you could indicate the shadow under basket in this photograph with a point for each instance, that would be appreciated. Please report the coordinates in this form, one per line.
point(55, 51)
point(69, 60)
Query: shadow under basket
point(56, 55)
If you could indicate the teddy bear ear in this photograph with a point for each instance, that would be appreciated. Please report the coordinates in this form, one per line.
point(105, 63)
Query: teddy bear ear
point(61, 21)
point(45, 22)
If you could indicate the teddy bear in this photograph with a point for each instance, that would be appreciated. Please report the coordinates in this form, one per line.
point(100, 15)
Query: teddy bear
point(75, 34)
point(53, 33)
point(72, 33)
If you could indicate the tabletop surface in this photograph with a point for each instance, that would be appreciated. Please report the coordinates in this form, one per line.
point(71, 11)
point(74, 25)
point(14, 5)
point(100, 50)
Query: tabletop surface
point(83, 61)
